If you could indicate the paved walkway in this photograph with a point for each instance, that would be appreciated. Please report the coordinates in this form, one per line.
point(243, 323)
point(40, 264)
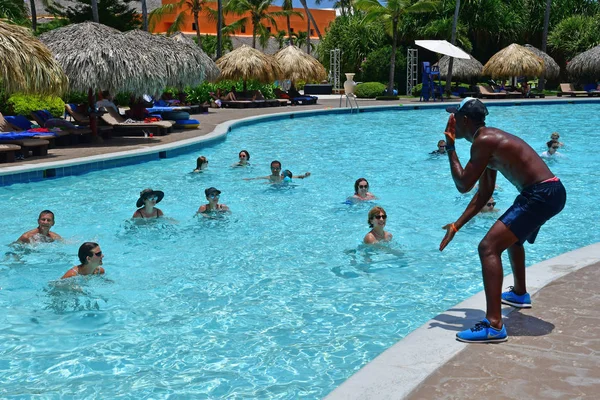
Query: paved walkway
point(554, 348)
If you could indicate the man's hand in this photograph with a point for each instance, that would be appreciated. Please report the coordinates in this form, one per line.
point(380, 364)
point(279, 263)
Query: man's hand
point(450, 130)
point(450, 232)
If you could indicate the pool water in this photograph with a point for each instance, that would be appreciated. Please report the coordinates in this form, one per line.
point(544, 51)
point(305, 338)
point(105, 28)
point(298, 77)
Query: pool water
point(278, 300)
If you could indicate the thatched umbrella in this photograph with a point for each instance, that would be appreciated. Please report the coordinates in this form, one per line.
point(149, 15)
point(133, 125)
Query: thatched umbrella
point(26, 65)
point(586, 65)
point(297, 65)
point(461, 68)
point(248, 63)
point(97, 57)
point(551, 68)
point(182, 68)
point(211, 71)
point(513, 60)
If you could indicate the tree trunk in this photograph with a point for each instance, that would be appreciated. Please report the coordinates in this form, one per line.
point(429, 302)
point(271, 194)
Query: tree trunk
point(33, 15)
point(289, 26)
point(219, 28)
point(95, 16)
point(307, 35)
point(309, 15)
point(542, 80)
point(453, 41)
point(393, 58)
point(253, 34)
point(144, 16)
point(198, 37)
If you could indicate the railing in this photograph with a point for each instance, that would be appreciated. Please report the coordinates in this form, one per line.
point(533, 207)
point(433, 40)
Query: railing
point(349, 97)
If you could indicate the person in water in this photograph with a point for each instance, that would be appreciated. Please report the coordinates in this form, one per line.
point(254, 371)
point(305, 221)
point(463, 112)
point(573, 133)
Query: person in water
point(377, 219)
point(542, 196)
point(148, 200)
point(201, 164)
point(489, 207)
point(276, 176)
point(212, 195)
point(90, 256)
point(244, 157)
point(42, 232)
point(361, 191)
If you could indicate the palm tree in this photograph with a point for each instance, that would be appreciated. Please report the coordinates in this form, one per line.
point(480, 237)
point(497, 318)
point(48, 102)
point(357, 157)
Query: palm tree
point(195, 6)
point(45, 3)
point(280, 38)
point(303, 39)
point(311, 18)
point(288, 6)
point(259, 11)
point(95, 16)
point(391, 15)
point(13, 11)
point(545, 41)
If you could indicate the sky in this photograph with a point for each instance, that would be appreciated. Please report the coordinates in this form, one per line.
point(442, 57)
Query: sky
point(311, 3)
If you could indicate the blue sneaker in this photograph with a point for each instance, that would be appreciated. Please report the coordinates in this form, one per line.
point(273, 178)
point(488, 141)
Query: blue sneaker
point(516, 300)
point(483, 332)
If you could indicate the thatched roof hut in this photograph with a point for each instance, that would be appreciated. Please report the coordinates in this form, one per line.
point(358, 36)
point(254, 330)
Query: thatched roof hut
point(210, 69)
point(298, 65)
point(248, 63)
point(183, 69)
point(461, 68)
point(26, 65)
point(551, 68)
point(101, 58)
point(586, 65)
point(514, 60)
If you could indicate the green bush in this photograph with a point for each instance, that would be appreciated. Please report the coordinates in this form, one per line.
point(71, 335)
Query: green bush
point(201, 93)
point(21, 104)
point(76, 98)
point(369, 90)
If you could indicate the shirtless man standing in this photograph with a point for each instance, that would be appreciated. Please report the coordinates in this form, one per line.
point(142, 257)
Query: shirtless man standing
point(42, 232)
point(541, 197)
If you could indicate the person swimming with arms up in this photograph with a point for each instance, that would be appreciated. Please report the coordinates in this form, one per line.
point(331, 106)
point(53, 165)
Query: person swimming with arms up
point(42, 232)
point(276, 176)
point(90, 256)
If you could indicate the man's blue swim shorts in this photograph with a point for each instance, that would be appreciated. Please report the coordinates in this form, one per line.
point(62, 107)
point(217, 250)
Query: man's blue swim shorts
point(533, 207)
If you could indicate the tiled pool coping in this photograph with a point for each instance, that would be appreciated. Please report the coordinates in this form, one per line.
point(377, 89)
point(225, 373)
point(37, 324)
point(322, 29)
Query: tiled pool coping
point(23, 172)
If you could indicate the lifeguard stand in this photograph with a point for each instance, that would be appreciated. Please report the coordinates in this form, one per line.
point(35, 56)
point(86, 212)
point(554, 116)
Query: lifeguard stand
point(431, 88)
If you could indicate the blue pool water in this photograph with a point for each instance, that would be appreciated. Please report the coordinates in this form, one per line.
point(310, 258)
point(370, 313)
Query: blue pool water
point(279, 300)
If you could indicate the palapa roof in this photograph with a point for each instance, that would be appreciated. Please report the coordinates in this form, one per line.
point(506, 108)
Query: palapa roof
point(210, 69)
point(298, 65)
point(586, 65)
point(101, 58)
point(461, 68)
point(248, 63)
point(551, 68)
point(27, 65)
point(183, 69)
point(514, 60)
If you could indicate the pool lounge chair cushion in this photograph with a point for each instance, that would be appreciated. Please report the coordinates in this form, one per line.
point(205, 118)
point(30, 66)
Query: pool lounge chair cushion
point(304, 100)
point(487, 92)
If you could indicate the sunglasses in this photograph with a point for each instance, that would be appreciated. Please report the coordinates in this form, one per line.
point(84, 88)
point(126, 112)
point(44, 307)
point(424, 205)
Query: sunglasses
point(152, 198)
point(213, 196)
point(363, 186)
point(491, 204)
point(442, 146)
point(242, 156)
point(554, 148)
point(378, 217)
point(98, 254)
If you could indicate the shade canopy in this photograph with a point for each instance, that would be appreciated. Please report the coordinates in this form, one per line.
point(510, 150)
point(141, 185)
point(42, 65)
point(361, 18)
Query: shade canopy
point(210, 69)
point(248, 63)
point(514, 60)
point(461, 68)
point(27, 65)
point(95, 56)
point(443, 47)
point(297, 65)
point(586, 65)
point(551, 68)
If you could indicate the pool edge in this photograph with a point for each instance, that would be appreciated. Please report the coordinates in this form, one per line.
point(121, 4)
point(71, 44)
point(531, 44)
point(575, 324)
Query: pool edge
point(395, 375)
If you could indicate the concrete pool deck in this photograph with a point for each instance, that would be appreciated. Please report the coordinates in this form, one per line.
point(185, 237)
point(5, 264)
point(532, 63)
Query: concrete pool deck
point(553, 350)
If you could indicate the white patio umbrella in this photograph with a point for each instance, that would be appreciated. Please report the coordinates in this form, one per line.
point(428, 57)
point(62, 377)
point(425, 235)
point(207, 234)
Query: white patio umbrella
point(443, 47)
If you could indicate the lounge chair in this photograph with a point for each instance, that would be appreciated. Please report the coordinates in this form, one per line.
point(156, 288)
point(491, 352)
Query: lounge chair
point(84, 120)
point(569, 89)
point(20, 124)
point(120, 125)
point(37, 147)
point(79, 134)
point(7, 152)
point(487, 93)
point(304, 100)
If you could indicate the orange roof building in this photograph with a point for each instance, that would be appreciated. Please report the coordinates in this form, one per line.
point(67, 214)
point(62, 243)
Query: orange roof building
point(323, 17)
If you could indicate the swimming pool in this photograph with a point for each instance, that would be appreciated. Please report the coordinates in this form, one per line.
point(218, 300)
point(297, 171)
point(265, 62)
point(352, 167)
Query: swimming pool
point(279, 300)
